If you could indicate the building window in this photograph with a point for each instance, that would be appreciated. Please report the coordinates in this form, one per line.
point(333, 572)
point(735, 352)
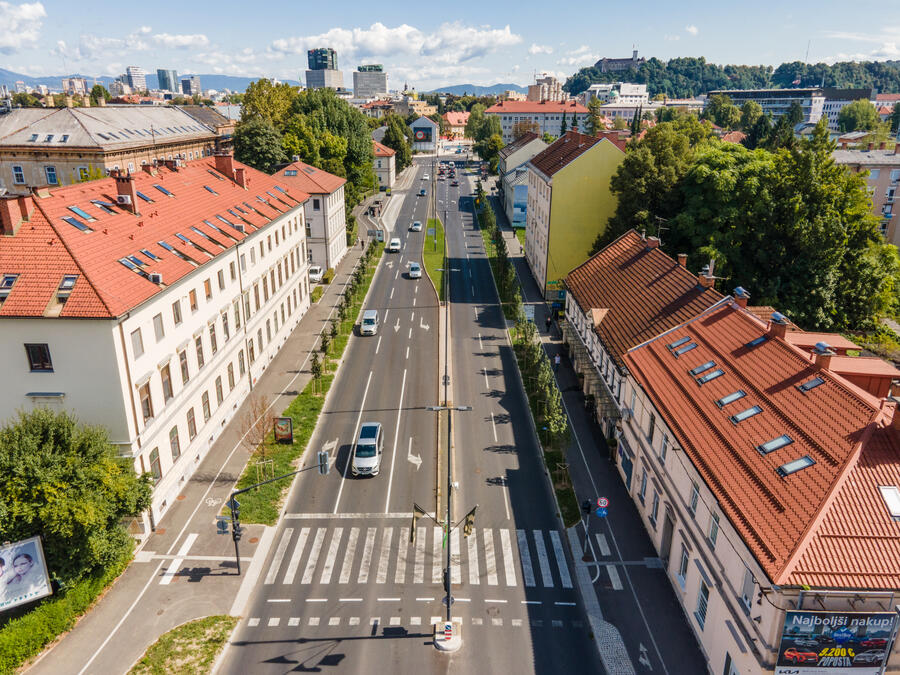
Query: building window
point(237, 313)
point(654, 510)
point(219, 395)
point(259, 341)
point(137, 344)
point(233, 271)
point(664, 449)
point(207, 289)
point(230, 376)
point(643, 491)
point(268, 331)
point(192, 424)
point(266, 289)
point(683, 565)
point(198, 343)
point(713, 533)
point(166, 377)
point(651, 428)
point(176, 311)
point(221, 277)
point(702, 604)
point(241, 366)
point(155, 469)
point(874, 174)
point(255, 297)
point(158, 327)
point(192, 297)
point(895, 175)
point(50, 171)
point(695, 497)
point(747, 589)
point(39, 358)
point(308, 230)
point(205, 401)
point(174, 443)
point(213, 342)
point(18, 175)
point(146, 401)
point(183, 362)
point(316, 206)
point(225, 330)
point(251, 351)
point(244, 262)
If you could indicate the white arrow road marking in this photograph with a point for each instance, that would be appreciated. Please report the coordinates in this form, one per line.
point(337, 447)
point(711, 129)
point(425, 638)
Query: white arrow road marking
point(397, 326)
point(643, 659)
point(415, 459)
point(390, 264)
point(422, 324)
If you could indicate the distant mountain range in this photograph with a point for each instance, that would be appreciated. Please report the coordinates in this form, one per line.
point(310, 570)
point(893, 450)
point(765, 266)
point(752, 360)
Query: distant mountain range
point(207, 81)
point(477, 90)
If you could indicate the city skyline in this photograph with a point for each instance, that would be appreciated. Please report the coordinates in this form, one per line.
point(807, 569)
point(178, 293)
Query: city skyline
point(486, 47)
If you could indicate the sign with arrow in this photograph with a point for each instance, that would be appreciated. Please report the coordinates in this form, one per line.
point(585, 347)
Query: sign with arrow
point(415, 459)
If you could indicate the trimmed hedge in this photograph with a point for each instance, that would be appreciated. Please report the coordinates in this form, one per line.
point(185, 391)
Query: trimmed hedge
point(316, 294)
point(328, 277)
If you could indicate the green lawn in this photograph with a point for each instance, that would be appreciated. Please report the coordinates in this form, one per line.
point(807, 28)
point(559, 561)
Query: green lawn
point(189, 648)
point(262, 505)
point(434, 256)
point(520, 235)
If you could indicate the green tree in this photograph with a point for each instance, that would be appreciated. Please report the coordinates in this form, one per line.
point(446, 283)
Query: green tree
point(475, 121)
point(619, 124)
point(66, 482)
point(26, 100)
point(98, 91)
point(548, 138)
point(93, 173)
point(315, 368)
point(397, 137)
point(721, 111)
point(794, 114)
point(268, 102)
point(595, 117)
point(636, 122)
point(895, 118)
point(751, 111)
point(859, 115)
point(258, 143)
point(759, 134)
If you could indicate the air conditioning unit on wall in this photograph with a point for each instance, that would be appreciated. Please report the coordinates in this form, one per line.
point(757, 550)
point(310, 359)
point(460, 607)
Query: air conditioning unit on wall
point(123, 199)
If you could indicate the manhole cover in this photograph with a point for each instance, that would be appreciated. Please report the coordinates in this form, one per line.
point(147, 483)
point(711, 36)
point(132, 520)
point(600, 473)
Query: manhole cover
point(253, 540)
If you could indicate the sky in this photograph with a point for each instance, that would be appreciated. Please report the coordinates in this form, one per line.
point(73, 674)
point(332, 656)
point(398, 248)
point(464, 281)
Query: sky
point(432, 44)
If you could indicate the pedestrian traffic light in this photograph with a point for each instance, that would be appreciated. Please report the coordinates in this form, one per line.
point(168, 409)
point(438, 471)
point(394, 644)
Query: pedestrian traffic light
point(237, 531)
point(469, 525)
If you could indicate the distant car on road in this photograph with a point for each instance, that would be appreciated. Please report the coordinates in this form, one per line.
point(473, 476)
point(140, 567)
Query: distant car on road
point(415, 271)
point(455, 183)
point(394, 245)
point(872, 656)
point(416, 226)
point(798, 656)
point(315, 274)
point(423, 192)
point(424, 176)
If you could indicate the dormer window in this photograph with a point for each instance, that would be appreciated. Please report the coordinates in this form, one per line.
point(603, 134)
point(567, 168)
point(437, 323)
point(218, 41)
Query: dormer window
point(6, 283)
point(68, 282)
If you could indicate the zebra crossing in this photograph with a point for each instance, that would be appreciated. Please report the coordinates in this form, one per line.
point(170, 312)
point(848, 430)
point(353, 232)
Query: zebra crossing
point(361, 555)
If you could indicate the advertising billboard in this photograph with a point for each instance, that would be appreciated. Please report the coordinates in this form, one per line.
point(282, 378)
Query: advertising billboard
point(23, 573)
point(829, 643)
point(422, 134)
point(283, 430)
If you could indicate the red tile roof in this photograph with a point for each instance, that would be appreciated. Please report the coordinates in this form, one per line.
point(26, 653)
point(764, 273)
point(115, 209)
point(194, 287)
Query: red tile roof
point(645, 291)
point(309, 179)
point(47, 247)
point(518, 143)
point(887, 97)
point(734, 137)
point(825, 524)
point(808, 341)
point(381, 150)
point(456, 119)
point(567, 148)
point(532, 107)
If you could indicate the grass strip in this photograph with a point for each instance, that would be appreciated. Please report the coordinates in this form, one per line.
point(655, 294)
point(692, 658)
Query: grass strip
point(187, 649)
point(263, 504)
point(316, 294)
point(433, 256)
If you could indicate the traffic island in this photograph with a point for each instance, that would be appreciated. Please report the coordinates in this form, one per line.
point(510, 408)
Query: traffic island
point(448, 640)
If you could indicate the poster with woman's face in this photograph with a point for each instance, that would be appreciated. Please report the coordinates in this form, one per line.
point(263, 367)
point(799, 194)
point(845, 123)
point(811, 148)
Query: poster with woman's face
point(23, 573)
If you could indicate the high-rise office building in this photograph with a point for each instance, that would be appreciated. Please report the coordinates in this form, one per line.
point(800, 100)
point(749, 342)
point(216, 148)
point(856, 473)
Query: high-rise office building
point(369, 81)
point(168, 79)
point(137, 78)
point(323, 58)
point(190, 85)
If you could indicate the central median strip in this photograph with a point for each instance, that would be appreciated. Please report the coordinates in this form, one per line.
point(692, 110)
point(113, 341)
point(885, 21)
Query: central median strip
point(433, 256)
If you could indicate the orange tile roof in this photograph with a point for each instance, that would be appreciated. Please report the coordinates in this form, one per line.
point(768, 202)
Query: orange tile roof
point(806, 340)
point(565, 149)
point(887, 97)
point(818, 524)
point(645, 290)
point(456, 119)
point(381, 150)
point(309, 179)
point(46, 247)
point(864, 365)
point(532, 107)
point(734, 137)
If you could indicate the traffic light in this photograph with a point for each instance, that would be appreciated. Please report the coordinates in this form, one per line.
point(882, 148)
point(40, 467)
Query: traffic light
point(323, 462)
point(586, 506)
point(235, 507)
point(237, 531)
point(469, 525)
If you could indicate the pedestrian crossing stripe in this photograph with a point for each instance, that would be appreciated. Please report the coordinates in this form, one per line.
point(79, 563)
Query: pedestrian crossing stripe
point(346, 555)
point(393, 621)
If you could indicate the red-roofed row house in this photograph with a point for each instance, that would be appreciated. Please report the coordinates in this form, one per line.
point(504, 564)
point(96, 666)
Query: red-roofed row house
point(765, 466)
point(150, 304)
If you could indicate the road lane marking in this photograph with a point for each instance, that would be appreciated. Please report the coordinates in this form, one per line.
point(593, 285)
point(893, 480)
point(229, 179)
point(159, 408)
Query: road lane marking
point(455, 571)
point(366, 556)
point(387, 499)
point(331, 555)
point(499, 602)
point(407, 351)
point(525, 558)
point(378, 344)
point(169, 574)
point(532, 602)
point(294, 621)
point(314, 551)
point(543, 560)
point(395, 621)
point(473, 558)
point(253, 622)
point(385, 559)
point(614, 577)
point(402, 549)
point(480, 343)
point(278, 600)
point(392, 295)
point(561, 559)
point(477, 621)
point(564, 604)
point(334, 621)
point(274, 621)
point(295, 557)
point(409, 337)
point(386, 313)
point(412, 317)
point(414, 302)
point(354, 621)
point(494, 428)
point(436, 568)
point(490, 562)
point(316, 599)
point(347, 566)
point(476, 314)
point(417, 290)
point(397, 275)
point(313, 621)
point(602, 545)
point(509, 564)
point(415, 621)
point(362, 409)
point(388, 599)
point(487, 385)
point(424, 599)
point(419, 569)
point(436, 619)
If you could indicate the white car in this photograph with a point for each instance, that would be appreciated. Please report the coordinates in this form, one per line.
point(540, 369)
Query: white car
point(394, 245)
point(425, 176)
point(415, 271)
point(416, 226)
point(315, 274)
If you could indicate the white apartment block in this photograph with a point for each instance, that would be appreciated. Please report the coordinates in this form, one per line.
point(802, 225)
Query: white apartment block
point(542, 117)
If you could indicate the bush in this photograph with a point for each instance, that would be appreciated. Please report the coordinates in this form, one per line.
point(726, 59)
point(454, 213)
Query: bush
point(328, 277)
point(316, 294)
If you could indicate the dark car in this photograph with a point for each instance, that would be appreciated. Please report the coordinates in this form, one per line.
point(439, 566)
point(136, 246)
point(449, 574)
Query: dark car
point(799, 656)
point(872, 656)
point(455, 183)
point(873, 642)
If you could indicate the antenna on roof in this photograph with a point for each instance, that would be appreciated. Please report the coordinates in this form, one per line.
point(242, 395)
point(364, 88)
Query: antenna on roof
point(660, 227)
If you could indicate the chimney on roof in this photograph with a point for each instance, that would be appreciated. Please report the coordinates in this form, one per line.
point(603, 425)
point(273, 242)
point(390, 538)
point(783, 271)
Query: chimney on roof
point(652, 242)
point(14, 210)
point(741, 296)
point(779, 325)
point(707, 278)
point(682, 259)
point(843, 145)
point(823, 354)
point(240, 176)
point(895, 418)
point(225, 164)
point(125, 188)
point(296, 158)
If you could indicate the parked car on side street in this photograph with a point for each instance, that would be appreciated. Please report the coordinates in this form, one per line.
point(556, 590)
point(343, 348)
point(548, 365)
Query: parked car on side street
point(315, 273)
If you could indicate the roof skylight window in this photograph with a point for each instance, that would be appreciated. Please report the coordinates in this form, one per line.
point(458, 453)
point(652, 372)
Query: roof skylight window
point(891, 496)
point(103, 136)
point(718, 372)
point(224, 220)
point(210, 189)
point(795, 466)
point(757, 341)
point(280, 189)
point(216, 174)
point(701, 368)
point(7, 281)
point(775, 444)
point(68, 282)
point(163, 190)
point(745, 414)
point(678, 343)
point(104, 206)
point(48, 138)
point(150, 254)
point(80, 212)
point(171, 249)
point(731, 398)
point(144, 197)
point(65, 137)
point(130, 265)
point(166, 246)
point(113, 135)
point(74, 222)
point(810, 384)
point(137, 261)
point(684, 350)
point(290, 172)
point(33, 138)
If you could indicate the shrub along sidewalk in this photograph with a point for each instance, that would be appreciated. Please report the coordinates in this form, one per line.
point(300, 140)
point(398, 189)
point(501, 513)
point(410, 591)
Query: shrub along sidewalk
point(262, 505)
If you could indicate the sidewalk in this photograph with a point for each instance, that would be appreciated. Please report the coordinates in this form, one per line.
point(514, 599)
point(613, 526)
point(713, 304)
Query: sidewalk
point(158, 591)
point(644, 608)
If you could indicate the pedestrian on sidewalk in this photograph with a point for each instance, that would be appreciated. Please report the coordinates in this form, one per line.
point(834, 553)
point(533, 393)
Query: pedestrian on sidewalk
point(556, 362)
point(359, 241)
point(549, 322)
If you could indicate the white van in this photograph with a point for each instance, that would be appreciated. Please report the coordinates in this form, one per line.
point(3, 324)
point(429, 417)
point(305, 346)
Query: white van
point(367, 450)
point(369, 323)
point(394, 245)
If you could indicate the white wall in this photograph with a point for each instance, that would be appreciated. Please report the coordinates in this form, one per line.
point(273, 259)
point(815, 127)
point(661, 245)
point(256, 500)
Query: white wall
point(326, 217)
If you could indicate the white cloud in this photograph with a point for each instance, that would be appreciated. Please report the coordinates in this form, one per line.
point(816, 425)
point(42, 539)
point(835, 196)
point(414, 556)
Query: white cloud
point(144, 30)
point(692, 29)
point(671, 38)
point(887, 41)
point(540, 49)
point(20, 25)
point(180, 41)
point(582, 56)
